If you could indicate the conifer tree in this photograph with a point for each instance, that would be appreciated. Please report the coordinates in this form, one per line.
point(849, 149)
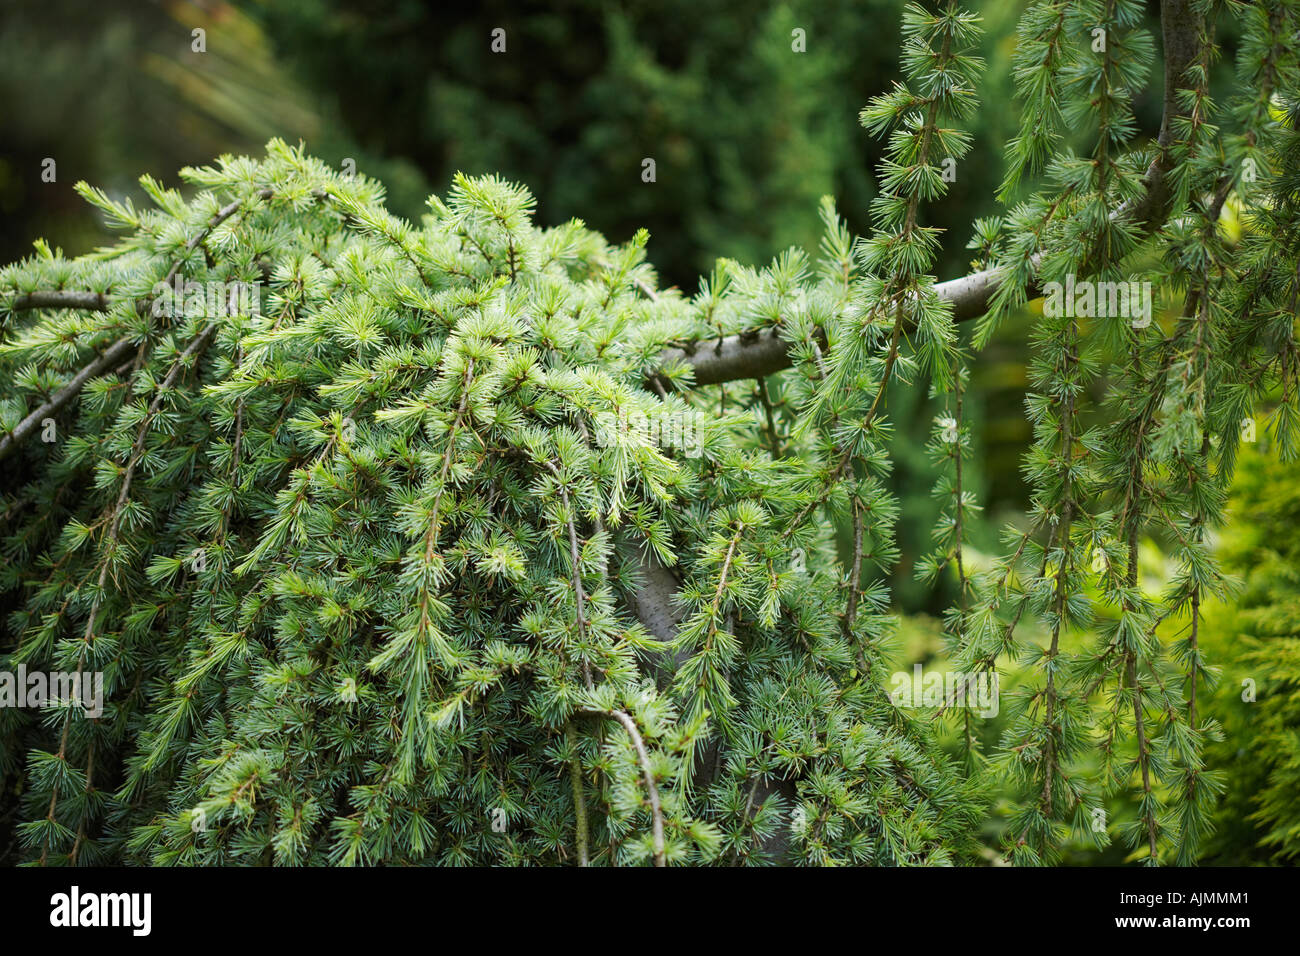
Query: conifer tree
point(462, 542)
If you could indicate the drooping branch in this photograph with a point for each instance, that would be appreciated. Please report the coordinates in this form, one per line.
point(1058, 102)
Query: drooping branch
point(582, 833)
point(101, 302)
point(114, 516)
point(652, 790)
point(106, 361)
point(656, 809)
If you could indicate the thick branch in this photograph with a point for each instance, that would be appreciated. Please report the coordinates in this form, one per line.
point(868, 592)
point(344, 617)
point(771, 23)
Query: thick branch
point(747, 355)
point(62, 299)
point(1182, 32)
point(756, 354)
point(653, 601)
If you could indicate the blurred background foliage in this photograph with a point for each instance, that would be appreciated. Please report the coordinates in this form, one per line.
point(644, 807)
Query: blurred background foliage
point(1256, 639)
point(746, 134)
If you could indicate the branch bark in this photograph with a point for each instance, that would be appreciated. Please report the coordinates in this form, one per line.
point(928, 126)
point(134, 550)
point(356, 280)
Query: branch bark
point(1182, 31)
point(62, 299)
point(653, 601)
point(759, 353)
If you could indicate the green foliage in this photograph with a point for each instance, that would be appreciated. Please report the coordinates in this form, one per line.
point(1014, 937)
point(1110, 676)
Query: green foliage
point(436, 551)
point(1119, 674)
point(1258, 639)
point(356, 565)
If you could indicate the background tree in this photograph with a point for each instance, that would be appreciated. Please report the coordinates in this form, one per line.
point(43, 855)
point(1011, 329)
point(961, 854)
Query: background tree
point(1255, 698)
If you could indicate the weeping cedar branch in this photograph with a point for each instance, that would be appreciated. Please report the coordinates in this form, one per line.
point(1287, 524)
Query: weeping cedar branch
point(758, 353)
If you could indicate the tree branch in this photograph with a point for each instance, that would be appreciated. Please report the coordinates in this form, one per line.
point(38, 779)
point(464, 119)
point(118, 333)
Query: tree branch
point(653, 600)
point(643, 756)
point(62, 299)
point(106, 360)
point(100, 302)
point(1182, 32)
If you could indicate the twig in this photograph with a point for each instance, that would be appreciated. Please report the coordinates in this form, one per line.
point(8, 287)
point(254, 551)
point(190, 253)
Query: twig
point(656, 809)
